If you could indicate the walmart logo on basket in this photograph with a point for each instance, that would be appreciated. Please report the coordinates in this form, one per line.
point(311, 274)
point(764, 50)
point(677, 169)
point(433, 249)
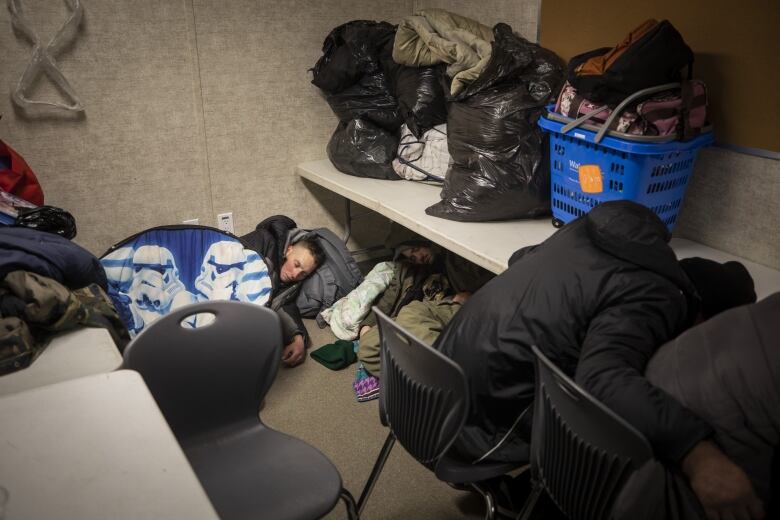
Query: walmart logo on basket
point(574, 165)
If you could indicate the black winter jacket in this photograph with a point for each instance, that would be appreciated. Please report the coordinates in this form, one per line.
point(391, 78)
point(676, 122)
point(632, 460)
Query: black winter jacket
point(598, 298)
point(270, 239)
point(727, 370)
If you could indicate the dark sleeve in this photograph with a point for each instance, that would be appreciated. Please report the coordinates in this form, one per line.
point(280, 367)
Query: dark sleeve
point(618, 345)
point(517, 255)
point(292, 324)
point(464, 275)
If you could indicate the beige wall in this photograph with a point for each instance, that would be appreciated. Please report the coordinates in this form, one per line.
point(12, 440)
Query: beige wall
point(197, 107)
point(138, 156)
point(733, 204)
point(521, 15)
point(193, 108)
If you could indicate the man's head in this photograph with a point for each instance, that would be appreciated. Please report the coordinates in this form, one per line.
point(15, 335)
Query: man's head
point(720, 286)
point(418, 254)
point(300, 260)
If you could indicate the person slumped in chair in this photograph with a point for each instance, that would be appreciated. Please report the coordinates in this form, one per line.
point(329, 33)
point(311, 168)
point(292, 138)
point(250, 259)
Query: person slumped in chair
point(598, 298)
point(727, 371)
point(291, 258)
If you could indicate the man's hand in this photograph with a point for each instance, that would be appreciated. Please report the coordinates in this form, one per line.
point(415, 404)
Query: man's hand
point(461, 297)
point(294, 353)
point(721, 486)
point(363, 330)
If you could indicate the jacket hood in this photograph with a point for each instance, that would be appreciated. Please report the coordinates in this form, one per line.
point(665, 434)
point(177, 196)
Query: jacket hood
point(279, 226)
point(296, 234)
point(634, 233)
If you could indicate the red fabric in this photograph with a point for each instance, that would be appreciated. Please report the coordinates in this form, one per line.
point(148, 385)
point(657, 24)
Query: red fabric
point(19, 180)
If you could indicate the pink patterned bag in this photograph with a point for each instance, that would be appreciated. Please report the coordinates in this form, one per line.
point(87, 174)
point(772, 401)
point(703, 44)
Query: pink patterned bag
point(680, 111)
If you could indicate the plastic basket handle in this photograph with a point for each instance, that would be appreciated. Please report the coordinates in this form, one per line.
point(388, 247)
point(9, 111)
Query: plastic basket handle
point(577, 122)
point(623, 104)
point(617, 111)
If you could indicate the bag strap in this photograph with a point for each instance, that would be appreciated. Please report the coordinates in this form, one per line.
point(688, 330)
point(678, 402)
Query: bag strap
point(405, 144)
point(428, 175)
point(684, 130)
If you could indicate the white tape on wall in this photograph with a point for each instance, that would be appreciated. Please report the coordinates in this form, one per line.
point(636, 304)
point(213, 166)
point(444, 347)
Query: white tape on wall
point(43, 57)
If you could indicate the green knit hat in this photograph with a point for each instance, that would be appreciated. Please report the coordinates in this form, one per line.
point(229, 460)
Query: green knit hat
point(335, 356)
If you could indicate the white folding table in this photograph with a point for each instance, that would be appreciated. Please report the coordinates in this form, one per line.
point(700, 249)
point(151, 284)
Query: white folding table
point(95, 447)
point(488, 244)
point(69, 355)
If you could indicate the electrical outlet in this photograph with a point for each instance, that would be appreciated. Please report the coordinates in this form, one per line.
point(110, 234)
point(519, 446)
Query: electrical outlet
point(225, 222)
point(191, 222)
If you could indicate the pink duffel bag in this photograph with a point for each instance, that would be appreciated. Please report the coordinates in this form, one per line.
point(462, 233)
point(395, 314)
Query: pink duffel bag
point(678, 109)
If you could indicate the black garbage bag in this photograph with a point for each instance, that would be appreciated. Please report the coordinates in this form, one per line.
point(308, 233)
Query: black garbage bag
point(500, 165)
point(350, 51)
point(369, 99)
point(510, 55)
point(420, 94)
point(493, 190)
point(350, 73)
point(363, 149)
point(50, 219)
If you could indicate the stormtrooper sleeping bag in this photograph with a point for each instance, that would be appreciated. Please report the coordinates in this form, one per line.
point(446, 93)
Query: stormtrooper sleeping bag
point(161, 269)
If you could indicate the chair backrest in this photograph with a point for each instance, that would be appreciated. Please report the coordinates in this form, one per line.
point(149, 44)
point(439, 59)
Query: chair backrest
point(581, 451)
point(423, 394)
point(208, 377)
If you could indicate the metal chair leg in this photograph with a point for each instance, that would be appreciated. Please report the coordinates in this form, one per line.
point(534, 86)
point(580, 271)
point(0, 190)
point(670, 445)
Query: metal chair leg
point(530, 503)
point(349, 501)
point(378, 466)
point(347, 220)
point(490, 502)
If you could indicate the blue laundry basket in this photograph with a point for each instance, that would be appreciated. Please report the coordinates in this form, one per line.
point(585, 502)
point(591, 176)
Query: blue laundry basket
point(653, 171)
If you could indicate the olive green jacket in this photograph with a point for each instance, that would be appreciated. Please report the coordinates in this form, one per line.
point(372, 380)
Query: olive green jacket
point(435, 36)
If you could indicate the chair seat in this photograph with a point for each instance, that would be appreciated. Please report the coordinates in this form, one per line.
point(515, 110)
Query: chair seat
point(261, 473)
point(458, 471)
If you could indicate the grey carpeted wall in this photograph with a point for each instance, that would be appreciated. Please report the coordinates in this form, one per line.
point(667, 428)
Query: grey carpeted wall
point(198, 107)
point(193, 108)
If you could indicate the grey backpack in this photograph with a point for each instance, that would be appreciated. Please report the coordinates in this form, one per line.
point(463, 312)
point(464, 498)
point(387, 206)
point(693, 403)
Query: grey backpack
point(334, 279)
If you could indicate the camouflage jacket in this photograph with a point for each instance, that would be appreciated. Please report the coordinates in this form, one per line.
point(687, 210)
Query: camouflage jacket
point(33, 308)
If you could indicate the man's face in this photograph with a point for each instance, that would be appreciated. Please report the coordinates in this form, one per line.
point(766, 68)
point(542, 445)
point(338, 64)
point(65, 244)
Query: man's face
point(298, 264)
point(419, 254)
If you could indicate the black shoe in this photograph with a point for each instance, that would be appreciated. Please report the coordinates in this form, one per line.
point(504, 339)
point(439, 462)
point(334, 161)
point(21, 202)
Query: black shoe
point(510, 493)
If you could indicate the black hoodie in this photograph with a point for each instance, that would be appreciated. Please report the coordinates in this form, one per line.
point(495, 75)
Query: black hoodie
point(270, 240)
point(598, 298)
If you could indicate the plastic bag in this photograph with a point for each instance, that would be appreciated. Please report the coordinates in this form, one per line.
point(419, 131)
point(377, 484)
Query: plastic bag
point(351, 75)
point(421, 99)
point(43, 57)
point(368, 99)
point(350, 51)
point(500, 169)
point(50, 219)
point(496, 190)
point(363, 149)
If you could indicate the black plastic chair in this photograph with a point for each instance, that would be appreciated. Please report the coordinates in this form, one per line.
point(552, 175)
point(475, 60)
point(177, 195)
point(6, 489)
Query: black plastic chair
point(209, 383)
point(423, 399)
point(582, 453)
